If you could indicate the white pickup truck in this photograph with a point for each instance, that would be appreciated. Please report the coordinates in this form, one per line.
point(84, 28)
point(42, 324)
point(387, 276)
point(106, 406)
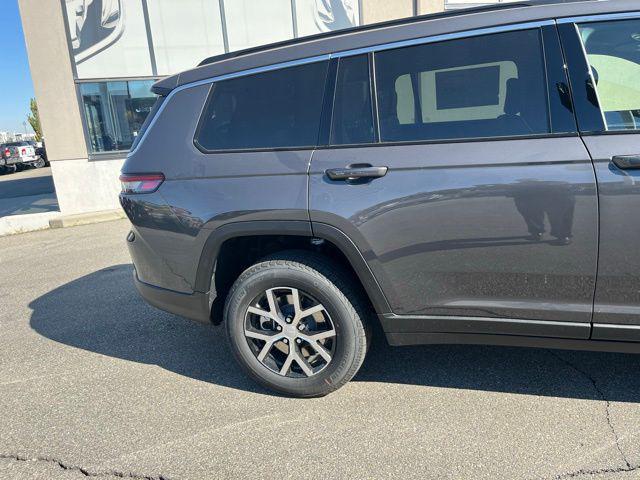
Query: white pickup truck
point(18, 155)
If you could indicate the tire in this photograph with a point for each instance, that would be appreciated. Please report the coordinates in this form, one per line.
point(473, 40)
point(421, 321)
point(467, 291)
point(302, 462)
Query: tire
point(40, 163)
point(320, 284)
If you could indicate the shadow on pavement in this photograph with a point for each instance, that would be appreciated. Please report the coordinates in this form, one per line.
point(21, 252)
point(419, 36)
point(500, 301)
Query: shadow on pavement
point(102, 313)
point(16, 185)
point(27, 192)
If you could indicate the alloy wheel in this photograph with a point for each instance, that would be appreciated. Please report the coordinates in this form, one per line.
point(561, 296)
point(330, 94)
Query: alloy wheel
point(290, 332)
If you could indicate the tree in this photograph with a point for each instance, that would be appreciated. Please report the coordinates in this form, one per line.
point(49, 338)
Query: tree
point(34, 119)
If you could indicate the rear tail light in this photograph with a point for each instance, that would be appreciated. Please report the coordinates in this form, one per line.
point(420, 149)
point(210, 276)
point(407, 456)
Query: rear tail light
point(6, 153)
point(141, 182)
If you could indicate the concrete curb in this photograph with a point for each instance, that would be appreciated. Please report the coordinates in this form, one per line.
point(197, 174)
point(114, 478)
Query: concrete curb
point(86, 218)
point(15, 224)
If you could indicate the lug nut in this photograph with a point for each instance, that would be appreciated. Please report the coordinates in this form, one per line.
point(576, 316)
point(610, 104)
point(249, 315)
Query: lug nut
point(285, 341)
point(288, 319)
point(279, 328)
point(301, 327)
point(298, 341)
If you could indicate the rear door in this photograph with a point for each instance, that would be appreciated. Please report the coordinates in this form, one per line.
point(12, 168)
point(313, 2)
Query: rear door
point(604, 58)
point(475, 198)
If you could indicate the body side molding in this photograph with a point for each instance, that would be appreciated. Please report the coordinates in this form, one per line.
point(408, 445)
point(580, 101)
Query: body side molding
point(419, 325)
point(405, 339)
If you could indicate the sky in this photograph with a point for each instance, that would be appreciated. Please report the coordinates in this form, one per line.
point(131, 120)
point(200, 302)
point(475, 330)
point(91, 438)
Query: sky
point(16, 87)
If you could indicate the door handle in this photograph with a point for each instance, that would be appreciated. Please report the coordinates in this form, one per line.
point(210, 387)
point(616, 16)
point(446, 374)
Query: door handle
point(355, 172)
point(627, 162)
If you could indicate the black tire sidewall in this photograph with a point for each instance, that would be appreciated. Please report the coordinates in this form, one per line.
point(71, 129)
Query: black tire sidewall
point(346, 326)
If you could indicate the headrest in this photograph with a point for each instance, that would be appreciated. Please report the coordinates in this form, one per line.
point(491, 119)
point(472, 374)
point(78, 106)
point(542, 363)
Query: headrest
point(514, 97)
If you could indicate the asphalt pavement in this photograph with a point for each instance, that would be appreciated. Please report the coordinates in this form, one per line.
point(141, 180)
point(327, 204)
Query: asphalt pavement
point(26, 192)
point(95, 383)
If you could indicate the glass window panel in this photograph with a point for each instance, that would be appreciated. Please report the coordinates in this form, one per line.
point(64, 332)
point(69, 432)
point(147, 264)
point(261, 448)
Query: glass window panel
point(108, 38)
point(613, 51)
point(352, 111)
point(115, 112)
point(486, 86)
point(184, 33)
point(251, 23)
point(317, 16)
point(269, 110)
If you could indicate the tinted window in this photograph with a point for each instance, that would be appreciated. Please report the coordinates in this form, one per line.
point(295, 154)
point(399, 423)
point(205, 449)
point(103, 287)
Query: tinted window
point(274, 109)
point(613, 51)
point(487, 86)
point(352, 112)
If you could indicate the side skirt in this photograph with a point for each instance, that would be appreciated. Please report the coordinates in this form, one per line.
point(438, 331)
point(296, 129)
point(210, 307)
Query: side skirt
point(402, 330)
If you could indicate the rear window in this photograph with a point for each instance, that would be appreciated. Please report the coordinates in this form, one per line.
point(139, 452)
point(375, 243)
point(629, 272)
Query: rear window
point(277, 109)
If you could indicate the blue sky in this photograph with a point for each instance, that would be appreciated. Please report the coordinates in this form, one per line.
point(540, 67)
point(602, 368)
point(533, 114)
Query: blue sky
point(15, 77)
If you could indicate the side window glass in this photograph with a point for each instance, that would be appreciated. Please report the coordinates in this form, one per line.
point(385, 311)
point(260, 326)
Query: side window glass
point(276, 109)
point(352, 121)
point(486, 86)
point(613, 52)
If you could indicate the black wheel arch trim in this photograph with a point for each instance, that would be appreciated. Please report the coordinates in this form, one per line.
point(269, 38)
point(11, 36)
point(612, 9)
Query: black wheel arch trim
point(217, 237)
point(241, 229)
point(357, 261)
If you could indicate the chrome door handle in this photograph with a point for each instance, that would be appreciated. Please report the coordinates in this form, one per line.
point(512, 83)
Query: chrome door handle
point(626, 162)
point(355, 172)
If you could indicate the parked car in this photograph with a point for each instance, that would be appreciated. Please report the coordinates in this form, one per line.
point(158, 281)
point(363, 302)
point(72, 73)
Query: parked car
point(21, 155)
point(41, 151)
point(469, 177)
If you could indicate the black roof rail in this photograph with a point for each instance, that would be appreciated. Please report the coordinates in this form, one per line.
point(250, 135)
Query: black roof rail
point(389, 23)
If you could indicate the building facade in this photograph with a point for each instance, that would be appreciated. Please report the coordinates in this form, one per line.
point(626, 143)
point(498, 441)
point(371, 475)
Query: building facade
point(93, 63)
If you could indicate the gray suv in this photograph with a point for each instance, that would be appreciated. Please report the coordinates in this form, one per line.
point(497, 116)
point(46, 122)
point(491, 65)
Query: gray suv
point(467, 177)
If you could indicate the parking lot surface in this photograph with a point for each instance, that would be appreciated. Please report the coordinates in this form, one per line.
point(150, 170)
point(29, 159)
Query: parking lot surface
point(93, 382)
point(29, 191)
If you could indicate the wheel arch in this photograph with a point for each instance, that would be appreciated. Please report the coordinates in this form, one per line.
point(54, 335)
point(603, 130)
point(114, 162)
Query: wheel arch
point(296, 232)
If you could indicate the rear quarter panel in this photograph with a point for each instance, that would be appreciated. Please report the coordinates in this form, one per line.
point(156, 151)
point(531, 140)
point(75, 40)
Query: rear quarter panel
point(204, 191)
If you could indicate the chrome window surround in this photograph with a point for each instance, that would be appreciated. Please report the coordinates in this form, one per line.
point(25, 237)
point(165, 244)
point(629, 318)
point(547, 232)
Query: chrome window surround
point(600, 17)
point(595, 19)
point(346, 53)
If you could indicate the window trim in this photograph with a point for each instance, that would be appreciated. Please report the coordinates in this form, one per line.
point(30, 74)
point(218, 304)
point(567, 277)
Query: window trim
point(534, 136)
point(600, 17)
point(545, 63)
point(330, 77)
point(329, 56)
point(369, 57)
point(577, 63)
point(479, 32)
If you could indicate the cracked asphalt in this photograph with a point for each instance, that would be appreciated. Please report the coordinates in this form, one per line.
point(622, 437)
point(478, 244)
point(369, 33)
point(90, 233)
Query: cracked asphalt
point(95, 383)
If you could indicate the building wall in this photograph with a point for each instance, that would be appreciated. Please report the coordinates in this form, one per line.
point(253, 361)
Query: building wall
point(81, 185)
point(87, 185)
point(374, 11)
point(53, 81)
